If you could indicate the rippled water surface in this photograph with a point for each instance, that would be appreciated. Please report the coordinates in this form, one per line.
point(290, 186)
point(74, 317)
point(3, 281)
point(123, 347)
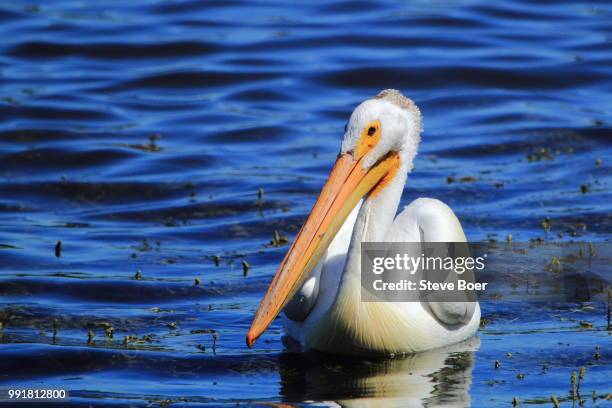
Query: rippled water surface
point(139, 133)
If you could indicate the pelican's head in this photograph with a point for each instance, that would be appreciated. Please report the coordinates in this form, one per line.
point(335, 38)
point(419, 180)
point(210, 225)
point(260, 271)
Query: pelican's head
point(381, 139)
point(387, 123)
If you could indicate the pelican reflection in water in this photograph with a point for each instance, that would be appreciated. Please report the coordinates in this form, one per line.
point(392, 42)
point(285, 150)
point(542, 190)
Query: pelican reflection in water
point(434, 378)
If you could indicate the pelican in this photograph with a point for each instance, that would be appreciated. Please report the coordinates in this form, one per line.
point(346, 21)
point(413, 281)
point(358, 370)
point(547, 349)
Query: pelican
point(318, 284)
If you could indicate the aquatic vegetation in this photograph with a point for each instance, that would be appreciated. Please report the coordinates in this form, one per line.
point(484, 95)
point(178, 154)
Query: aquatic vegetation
point(245, 268)
point(278, 239)
point(90, 337)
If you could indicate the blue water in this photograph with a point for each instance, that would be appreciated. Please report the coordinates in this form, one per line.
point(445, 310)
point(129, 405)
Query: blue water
point(140, 132)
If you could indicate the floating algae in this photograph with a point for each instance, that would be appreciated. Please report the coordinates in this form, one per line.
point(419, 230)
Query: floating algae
point(278, 239)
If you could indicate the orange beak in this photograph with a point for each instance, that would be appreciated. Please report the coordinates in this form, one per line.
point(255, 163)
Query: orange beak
point(348, 182)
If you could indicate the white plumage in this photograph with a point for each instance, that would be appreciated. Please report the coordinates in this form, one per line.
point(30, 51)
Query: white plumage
point(337, 321)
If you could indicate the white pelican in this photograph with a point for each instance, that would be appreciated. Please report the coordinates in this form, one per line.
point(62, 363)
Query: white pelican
point(319, 281)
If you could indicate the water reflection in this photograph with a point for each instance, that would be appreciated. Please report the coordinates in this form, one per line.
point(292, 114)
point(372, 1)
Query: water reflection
point(434, 378)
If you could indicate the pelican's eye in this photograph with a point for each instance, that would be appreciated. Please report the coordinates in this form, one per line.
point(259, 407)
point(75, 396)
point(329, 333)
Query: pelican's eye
point(370, 136)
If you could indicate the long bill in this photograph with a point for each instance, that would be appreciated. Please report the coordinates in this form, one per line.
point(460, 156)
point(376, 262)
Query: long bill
point(348, 182)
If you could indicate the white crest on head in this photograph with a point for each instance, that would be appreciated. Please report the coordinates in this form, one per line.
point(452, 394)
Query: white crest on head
point(400, 121)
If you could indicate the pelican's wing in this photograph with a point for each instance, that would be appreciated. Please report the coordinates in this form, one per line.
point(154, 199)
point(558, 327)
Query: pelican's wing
point(302, 302)
point(430, 220)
